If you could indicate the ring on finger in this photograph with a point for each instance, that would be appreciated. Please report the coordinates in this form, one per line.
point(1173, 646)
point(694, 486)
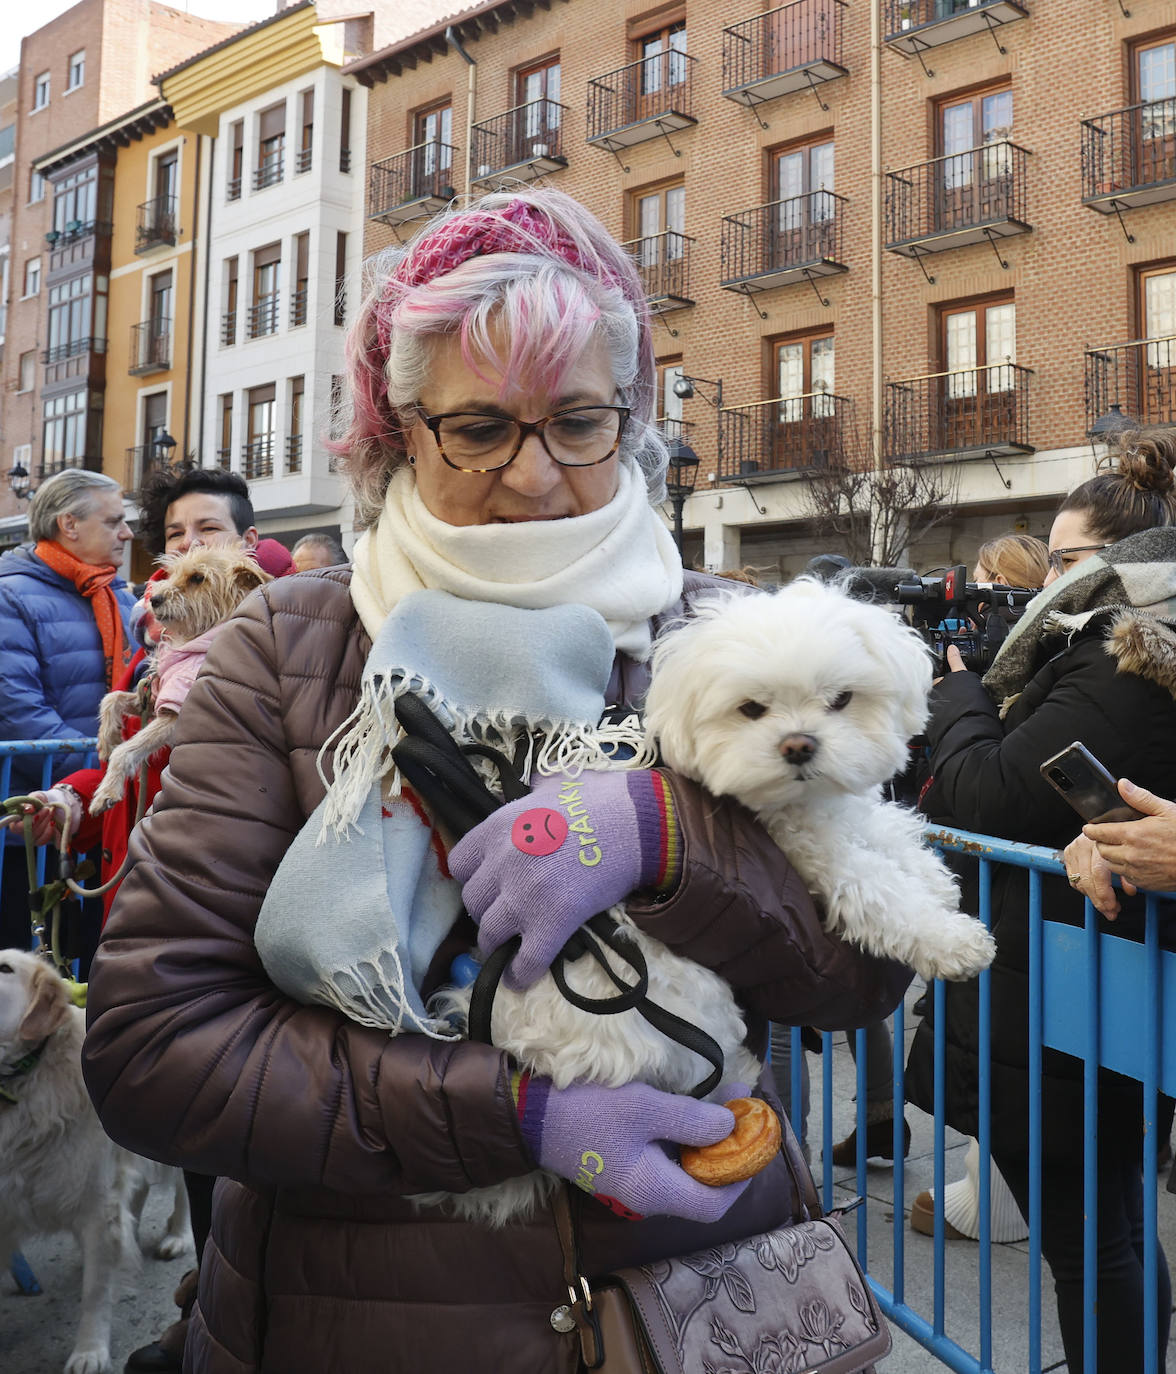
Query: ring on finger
point(1075, 879)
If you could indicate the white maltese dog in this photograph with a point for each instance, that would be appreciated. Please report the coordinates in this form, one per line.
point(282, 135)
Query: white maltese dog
point(800, 706)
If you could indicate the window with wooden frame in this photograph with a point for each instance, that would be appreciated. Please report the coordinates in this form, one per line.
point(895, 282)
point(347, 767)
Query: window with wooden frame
point(294, 434)
point(263, 314)
point(661, 66)
point(972, 172)
point(1155, 403)
point(271, 146)
point(657, 223)
point(229, 315)
point(977, 353)
point(669, 406)
point(236, 160)
point(259, 450)
point(340, 310)
point(305, 155)
point(1153, 81)
point(154, 421)
point(537, 121)
point(432, 144)
point(160, 333)
point(803, 423)
point(345, 130)
point(298, 301)
point(225, 452)
point(801, 187)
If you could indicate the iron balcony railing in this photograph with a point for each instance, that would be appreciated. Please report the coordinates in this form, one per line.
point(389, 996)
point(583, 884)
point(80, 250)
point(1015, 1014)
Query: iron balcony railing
point(528, 137)
point(1131, 153)
point(270, 168)
point(298, 307)
point(650, 89)
point(151, 347)
point(417, 180)
point(789, 42)
point(156, 223)
point(73, 348)
point(783, 237)
point(941, 21)
point(224, 459)
point(958, 195)
point(785, 434)
point(303, 160)
point(74, 229)
point(90, 462)
point(966, 410)
point(1139, 377)
point(233, 189)
point(345, 159)
point(293, 454)
point(257, 459)
point(673, 428)
point(663, 263)
point(228, 330)
point(263, 316)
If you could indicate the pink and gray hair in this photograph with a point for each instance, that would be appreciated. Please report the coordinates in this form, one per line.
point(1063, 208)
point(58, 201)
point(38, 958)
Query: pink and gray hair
point(537, 263)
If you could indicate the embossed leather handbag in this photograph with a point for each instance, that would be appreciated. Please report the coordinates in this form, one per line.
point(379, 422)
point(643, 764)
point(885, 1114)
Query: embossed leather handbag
point(792, 1299)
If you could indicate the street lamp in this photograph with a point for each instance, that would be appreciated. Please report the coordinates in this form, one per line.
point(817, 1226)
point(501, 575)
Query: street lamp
point(1107, 428)
point(684, 388)
point(165, 447)
point(19, 481)
point(680, 481)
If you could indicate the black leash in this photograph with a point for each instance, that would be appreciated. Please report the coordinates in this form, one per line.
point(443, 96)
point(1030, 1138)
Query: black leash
point(439, 770)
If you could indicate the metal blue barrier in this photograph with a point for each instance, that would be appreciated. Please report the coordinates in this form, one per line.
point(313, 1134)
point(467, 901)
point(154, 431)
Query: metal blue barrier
point(49, 751)
point(1093, 995)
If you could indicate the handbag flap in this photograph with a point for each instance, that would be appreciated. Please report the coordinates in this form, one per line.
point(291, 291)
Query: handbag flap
point(792, 1299)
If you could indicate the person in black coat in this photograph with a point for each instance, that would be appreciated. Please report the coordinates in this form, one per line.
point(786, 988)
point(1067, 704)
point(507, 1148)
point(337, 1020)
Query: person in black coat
point(1093, 659)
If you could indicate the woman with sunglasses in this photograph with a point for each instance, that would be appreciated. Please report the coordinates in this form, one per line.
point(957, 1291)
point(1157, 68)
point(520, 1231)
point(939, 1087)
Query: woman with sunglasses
point(291, 902)
point(1092, 659)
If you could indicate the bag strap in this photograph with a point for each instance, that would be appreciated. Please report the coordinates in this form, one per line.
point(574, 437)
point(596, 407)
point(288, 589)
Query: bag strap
point(802, 1176)
point(580, 1302)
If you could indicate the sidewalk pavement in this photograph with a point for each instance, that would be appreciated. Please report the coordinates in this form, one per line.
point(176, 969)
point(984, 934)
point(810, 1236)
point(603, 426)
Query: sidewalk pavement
point(36, 1334)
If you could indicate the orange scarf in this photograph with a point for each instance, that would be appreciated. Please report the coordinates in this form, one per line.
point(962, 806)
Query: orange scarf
point(94, 584)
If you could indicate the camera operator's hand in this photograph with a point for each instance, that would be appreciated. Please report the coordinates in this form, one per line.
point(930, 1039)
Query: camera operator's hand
point(955, 663)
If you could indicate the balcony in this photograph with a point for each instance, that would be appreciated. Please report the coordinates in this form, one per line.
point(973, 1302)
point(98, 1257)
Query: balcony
point(786, 241)
point(257, 459)
point(968, 412)
point(156, 224)
point(970, 197)
point(224, 459)
point(73, 348)
point(91, 462)
point(141, 460)
point(233, 189)
point(645, 99)
point(1139, 377)
point(663, 263)
point(673, 428)
point(293, 455)
point(262, 316)
point(345, 159)
point(912, 27)
point(303, 160)
point(228, 329)
point(787, 434)
point(298, 307)
point(1129, 157)
point(794, 48)
point(270, 169)
point(151, 346)
point(521, 144)
point(413, 184)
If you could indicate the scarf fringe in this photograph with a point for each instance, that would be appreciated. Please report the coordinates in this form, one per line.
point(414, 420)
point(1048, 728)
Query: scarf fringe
point(363, 745)
point(371, 993)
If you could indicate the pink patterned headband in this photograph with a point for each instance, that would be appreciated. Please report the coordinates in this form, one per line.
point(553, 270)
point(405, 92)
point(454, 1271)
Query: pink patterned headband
point(517, 228)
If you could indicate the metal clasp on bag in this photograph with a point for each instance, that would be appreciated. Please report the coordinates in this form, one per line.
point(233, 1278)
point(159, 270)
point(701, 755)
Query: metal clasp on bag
point(585, 1290)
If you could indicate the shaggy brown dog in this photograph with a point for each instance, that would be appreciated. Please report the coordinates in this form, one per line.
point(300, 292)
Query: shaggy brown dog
point(201, 591)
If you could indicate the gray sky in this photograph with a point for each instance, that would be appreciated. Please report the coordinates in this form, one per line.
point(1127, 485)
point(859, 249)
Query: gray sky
point(16, 21)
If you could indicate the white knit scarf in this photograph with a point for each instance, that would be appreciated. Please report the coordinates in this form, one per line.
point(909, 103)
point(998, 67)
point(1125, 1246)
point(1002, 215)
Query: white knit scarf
point(620, 560)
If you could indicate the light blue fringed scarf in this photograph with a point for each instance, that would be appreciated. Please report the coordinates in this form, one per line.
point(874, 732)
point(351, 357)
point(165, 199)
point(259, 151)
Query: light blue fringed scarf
point(360, 903)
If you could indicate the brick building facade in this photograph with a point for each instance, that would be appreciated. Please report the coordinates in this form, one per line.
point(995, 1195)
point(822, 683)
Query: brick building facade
point(955, 180)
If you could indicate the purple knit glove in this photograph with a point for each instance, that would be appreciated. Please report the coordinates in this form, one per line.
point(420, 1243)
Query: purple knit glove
point(607, 1142)
point(544, 865)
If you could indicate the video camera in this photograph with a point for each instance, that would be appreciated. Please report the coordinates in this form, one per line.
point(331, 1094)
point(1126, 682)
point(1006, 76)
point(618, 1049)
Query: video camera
point(944, 607)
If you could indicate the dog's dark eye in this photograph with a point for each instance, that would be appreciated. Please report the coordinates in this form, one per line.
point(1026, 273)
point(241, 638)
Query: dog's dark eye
point(753, 709)
point(5, 968)
point(840, 701)
point(195, 579)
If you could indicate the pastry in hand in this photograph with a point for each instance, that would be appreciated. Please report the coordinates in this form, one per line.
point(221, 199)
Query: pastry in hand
point(750, 1147)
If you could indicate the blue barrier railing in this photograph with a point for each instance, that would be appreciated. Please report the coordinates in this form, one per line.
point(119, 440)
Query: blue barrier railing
point(49, 752)
point(1092, 994)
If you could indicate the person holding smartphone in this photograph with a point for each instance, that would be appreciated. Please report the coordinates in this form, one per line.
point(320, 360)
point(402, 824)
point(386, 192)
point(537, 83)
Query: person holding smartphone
point(1094, 660)
point(1141, 853)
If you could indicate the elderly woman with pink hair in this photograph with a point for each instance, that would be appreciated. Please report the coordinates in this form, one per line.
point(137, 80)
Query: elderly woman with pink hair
point(291, 902)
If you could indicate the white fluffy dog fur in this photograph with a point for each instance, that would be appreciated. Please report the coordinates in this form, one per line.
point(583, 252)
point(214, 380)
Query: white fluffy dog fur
point(746, 686)
point(203, 587)
point(800, 706)
point(59, 1171)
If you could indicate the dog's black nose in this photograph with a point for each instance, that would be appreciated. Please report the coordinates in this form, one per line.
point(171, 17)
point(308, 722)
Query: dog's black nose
point(798, 748)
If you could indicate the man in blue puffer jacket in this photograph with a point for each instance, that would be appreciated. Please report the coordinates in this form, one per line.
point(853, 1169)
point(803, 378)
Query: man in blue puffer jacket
point(64, 632)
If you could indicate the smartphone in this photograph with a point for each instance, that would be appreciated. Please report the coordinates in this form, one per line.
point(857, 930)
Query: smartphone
point(1078, 777)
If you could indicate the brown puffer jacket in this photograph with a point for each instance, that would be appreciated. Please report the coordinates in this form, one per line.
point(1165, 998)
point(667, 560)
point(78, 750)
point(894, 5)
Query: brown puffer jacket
point(317, 1263)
